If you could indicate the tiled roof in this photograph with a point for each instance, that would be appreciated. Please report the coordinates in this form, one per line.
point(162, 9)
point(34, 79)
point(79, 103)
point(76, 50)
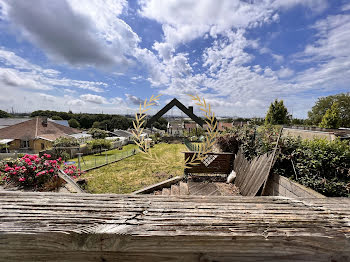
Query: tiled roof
point(35, 128)
point(5, 122)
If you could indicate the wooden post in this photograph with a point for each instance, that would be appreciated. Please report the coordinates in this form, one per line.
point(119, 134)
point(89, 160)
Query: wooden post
point(79, 160)
point(272, 160)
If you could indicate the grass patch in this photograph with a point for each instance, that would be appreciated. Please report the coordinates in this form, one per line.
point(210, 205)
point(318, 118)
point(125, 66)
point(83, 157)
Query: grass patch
point(135, 172)
point(90, 161)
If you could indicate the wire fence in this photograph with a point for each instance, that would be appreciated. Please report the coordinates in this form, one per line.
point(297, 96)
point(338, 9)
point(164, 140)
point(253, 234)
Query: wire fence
point(85, 163)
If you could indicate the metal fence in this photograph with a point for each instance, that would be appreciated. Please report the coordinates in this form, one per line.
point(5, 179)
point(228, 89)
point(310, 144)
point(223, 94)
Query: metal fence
point(191, 146)
point(93, 161)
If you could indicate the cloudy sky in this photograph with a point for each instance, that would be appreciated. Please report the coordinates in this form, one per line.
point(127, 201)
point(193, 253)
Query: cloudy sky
point(108, 55)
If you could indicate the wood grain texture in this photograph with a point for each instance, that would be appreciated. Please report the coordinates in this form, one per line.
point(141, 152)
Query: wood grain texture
point(251, 175)
point(84, 227)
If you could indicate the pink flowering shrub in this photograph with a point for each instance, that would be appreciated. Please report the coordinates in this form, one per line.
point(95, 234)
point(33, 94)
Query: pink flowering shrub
point(72, 171)
point(35, 172)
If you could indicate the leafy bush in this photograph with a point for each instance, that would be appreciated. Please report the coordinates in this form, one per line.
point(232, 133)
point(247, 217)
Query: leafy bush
point(319, 164)
point(30, 171)
point(65, 142)
point(97, 133)
point(228, 143)
point(55, 117)
point(34, 172)
point(100, 144)
point(73, 123)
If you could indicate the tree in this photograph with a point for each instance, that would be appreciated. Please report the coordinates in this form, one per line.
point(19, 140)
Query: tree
point(97, 133)
point(56, 118)
point(4, 114)
point(331, 118)
point(65, 142)
point(277, 114)
point(73, 123)
point(161, 124)
point(100, 144)
point(324, 103)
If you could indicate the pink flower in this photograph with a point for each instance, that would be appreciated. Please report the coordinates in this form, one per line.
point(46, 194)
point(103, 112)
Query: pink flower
point(14, 173)
point(8, 169)
point(47, 155)
point(34, 167)
point(51, 170)
point(21, 179)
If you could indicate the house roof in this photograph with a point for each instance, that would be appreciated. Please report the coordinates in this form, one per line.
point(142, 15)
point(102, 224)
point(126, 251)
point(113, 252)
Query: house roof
point(35, 128)
point(121, 133)
point(5, 122)
point(60, 122)
point(222, 125)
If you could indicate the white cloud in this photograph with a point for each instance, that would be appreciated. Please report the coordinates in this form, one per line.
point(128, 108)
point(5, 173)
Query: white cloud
point(14, 78)
point(184, 20)
point(285, 72)
point(19, 72)
point(89, 33)
point(134, 99)
point(346, 7)
point(93, 99)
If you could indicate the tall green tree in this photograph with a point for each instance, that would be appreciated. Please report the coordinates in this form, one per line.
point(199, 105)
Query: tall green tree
point(277, 114)
point(73, 123)
point(4, 114)
point(331, 118)
point(323, 104)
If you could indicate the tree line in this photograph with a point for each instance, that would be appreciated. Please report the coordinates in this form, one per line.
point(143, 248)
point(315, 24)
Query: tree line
point(87, 121)
point(328, 112)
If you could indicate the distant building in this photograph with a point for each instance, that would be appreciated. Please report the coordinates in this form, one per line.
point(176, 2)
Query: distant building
point(35, 134)
point(175, 127)
point(190, 127)
point(222, 126)
point(82, 138)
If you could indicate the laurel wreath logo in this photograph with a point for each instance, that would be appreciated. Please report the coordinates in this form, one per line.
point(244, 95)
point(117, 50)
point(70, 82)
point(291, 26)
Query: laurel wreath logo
point(204, 148)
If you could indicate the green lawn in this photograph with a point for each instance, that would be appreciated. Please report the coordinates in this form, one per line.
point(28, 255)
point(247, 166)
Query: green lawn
point(90, 161)
point(135, 172)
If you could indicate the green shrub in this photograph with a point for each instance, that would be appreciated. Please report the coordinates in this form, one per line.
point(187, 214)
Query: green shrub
point(319, 164)
point(65, 142)
point(100, 144)
point(97, 133)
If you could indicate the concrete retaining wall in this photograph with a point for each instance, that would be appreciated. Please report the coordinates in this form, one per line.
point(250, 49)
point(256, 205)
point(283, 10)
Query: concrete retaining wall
point(281, 186)
point(308, 134)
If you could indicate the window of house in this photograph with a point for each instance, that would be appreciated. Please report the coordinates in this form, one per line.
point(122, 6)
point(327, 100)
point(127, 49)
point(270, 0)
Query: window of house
point(25, 143)
point(42, 146)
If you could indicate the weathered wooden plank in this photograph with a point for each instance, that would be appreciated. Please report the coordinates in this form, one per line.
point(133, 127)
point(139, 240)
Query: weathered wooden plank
point(184, 188)
point(175, 190)
point(80, 227)
point(166, 192)
point(159, 186)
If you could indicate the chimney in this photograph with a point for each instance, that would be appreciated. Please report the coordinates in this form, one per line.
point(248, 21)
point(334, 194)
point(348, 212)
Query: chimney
point(190, 108)
point(44, 121)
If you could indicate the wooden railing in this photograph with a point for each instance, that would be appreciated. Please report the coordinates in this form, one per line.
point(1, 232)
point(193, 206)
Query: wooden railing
point(84, 227)
point(214, 163)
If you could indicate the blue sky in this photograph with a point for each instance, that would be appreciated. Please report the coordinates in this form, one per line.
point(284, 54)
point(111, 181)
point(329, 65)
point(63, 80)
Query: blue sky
point(107, 56)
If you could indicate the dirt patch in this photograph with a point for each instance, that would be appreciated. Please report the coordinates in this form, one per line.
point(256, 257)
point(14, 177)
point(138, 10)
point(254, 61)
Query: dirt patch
point(227, 189)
